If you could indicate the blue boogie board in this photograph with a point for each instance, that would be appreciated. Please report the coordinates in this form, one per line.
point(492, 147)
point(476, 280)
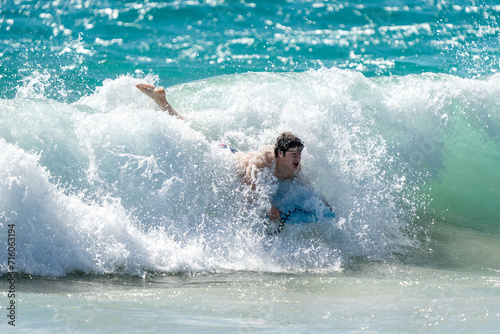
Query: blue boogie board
point(297, 216)
point(298, 204)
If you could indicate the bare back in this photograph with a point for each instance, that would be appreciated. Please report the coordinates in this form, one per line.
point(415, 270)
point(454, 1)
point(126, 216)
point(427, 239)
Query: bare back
point(249, 164)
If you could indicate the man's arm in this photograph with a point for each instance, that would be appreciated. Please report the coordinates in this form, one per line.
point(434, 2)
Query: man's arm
point(250, 164)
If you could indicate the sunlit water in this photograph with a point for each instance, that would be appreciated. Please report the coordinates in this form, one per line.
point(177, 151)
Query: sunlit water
point(128, 220)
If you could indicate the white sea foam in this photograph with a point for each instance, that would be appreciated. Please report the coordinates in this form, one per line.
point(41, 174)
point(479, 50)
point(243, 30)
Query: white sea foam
point(111, 184)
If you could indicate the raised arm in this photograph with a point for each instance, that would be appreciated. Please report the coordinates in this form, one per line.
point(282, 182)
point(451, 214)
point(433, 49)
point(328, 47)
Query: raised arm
point(158, 95)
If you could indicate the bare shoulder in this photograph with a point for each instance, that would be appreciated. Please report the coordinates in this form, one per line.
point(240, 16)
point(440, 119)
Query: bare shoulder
point(268, 156)
point(261, 158)
point(249, 163)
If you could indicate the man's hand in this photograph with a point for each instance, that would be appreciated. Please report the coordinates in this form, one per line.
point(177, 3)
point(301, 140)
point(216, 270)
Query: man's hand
point(274, 213)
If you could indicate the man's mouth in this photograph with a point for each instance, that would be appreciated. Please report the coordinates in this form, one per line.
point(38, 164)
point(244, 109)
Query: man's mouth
point(296, 164)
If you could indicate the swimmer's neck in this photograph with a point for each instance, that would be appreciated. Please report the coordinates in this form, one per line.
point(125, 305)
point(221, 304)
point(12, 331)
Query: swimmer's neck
point(285, 173)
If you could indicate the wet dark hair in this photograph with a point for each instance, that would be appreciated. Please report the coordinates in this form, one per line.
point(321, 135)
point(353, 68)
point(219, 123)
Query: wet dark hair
point(286, 141)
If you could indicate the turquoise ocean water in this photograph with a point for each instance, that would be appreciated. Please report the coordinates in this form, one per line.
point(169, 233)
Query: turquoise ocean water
point(124, 219)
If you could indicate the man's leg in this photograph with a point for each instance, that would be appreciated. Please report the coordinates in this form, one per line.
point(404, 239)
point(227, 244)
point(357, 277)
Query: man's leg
point(158, 95)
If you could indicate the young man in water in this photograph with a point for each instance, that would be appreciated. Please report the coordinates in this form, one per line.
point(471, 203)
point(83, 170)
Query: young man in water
point(284, 159)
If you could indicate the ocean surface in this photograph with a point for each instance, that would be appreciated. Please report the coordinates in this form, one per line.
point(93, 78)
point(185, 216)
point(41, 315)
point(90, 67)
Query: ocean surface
point(118, 218)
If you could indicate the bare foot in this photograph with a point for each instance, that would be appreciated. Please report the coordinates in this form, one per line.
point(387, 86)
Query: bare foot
point(158, 95)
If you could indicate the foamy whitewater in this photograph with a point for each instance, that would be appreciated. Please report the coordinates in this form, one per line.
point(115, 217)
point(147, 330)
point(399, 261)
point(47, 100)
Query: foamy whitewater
point(109, 184)
point(126, 219)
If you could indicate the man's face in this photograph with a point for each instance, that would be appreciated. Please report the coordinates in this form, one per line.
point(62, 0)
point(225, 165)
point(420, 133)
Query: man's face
point(292, 158)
